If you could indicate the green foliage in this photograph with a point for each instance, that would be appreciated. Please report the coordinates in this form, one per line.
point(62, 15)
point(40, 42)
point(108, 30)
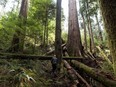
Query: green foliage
point(25, 73)
point(64, 36)
point(7, 29)
point(14, 75)
point(41, 14)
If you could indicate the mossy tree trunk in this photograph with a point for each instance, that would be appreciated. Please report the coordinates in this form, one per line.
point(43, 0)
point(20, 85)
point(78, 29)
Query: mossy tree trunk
point(74, 44)
point(108, 8)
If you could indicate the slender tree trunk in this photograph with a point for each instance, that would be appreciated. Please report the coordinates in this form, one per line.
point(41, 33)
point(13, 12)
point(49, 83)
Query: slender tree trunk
point(87, 19)
point(99, 29)
point(85, 31)
point(74, 43)
point(46, 26)
point(58, 48)
point(91, 39)
point(90, 47)
point(108, 8)
point(91, 36)
point(44, 37)
point(45, 30)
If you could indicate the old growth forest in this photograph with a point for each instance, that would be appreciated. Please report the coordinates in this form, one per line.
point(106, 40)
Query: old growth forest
point(83, 41)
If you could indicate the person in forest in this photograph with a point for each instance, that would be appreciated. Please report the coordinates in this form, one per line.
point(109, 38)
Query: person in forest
point(54, 62)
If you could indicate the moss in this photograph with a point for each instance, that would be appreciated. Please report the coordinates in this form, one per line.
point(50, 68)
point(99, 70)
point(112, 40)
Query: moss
point(95, 74)
point(108, 8)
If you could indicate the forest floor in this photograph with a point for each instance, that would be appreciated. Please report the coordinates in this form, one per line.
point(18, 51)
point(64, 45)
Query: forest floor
point(57, 80)
point(40, 71)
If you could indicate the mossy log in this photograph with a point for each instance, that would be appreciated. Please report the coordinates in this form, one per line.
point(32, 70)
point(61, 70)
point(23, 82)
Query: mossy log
point(29, 56)
point(81, 78)
point(74, 74)
point(97, 75)
point(38, 57)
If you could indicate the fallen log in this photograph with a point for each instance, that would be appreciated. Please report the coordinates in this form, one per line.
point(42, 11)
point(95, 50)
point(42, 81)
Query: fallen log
point(89, 60)
point(28, 56)
point(101, 77)
point(74, 74)
point(38, 57)
point(75, 81)
point(81, 78)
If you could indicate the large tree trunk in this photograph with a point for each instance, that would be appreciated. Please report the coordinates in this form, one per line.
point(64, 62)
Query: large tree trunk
point(18, 38)
point(74, 43)
point(58, 48)
point(108, 8)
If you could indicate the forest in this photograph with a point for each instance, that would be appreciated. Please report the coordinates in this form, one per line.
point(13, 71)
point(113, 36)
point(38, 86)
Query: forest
point(38, 48)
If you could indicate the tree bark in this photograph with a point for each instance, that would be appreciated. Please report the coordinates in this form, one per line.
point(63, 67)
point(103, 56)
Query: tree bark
point(58, 42)
point(46, 27)
point(108, 9)
point(87, 19)
point(91, 36)
point(74, 44)
point(91, 39)
point(85, 31)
